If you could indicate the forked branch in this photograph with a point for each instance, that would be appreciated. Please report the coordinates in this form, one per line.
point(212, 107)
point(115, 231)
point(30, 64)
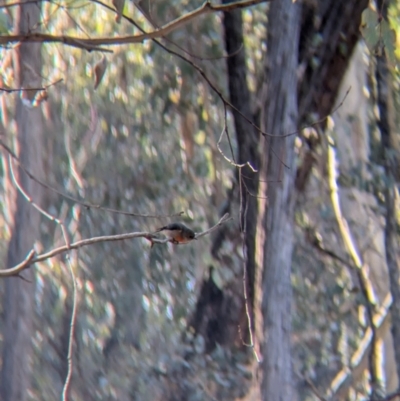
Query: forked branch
point(93, 44)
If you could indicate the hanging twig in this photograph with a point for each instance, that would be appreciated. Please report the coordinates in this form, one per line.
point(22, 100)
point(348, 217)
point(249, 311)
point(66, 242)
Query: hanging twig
point(29, 260)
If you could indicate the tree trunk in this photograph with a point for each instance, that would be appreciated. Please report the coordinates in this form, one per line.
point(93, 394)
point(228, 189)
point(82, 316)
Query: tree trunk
point(19, 295)
point(247, 138)
point(276, 200)
point(337, 24)
point(390, 164)
point(218, 312)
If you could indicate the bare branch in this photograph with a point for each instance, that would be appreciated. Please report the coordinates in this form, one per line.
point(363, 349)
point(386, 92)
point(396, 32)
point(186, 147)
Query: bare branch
point(29, 260)
point(381, 323)
point(93, 44)
point(376, 316)
point(321, 120)
point(226, 102)
point(43, 88)
point(167, 39)
point(30, 255)
point(35, 205)
point(243, 230)
point(14, 271)
point(67, 381)
point(206, 8)
point(221, 221)
point(230, 161)
point(345, 231)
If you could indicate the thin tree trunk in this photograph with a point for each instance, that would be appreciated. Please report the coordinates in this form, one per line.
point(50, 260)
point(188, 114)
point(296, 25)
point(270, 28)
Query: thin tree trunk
point(276, 201)
point(18, 303)
point(218, 312)
point(247, 138)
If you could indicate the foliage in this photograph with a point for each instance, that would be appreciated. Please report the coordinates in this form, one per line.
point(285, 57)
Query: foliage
point(146, 141)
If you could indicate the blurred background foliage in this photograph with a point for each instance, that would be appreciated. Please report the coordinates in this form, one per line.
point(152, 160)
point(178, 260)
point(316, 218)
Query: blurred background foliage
point(146, 142)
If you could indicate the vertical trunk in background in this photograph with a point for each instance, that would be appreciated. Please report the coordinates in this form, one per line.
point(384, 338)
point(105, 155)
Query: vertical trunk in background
point(276, 200)
point(391, 166)
point(19, 295)
point(247, 138)
point(227, 305)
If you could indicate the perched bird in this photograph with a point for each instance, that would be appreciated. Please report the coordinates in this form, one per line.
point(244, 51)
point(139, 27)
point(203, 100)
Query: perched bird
point(119, 7)
point(177, 233)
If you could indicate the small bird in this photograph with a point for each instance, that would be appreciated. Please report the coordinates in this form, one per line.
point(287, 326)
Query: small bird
point(177, 233)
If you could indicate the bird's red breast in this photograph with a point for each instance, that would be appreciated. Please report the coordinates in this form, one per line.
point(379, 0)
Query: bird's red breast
point(178, 233)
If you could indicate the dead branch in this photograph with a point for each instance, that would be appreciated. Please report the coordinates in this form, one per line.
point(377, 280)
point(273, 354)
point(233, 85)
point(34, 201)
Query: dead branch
point(346, 235)
point(93, 44)
point(222, 220)
point(359, 359)
point(29, 260)
point(30, 255)
point(14, 271)
point(376, 315)
point(43, 88)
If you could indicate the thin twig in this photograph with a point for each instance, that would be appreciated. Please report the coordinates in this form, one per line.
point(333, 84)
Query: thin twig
point(19, 267)
point(320, 247)
point(359, 354)
point(95, 240)
point(71, 335)
point(321, 120)
point(207, 7)
point(92, 44)
point(35, 205)
point(230, 161)
point(243, 229)
point(221, 221)
point(219, 93)
point(78, 201)
point(31, 260)
point(254, 195)
point(312, 386)
point(43, 88)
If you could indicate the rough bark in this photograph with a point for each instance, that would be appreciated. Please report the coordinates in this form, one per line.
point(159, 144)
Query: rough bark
point(19, 295)
point(276, 201)
point(318, 89)
point(336, 23)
